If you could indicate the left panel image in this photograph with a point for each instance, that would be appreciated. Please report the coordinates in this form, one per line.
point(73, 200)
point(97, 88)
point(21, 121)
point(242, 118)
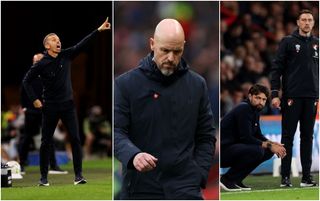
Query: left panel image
point(56, 100)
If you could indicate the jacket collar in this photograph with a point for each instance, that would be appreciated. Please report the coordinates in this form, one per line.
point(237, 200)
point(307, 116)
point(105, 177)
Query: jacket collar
point(150, 69)
point(297, 35)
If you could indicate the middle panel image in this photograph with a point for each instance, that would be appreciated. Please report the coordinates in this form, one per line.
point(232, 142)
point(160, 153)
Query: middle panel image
point(166, 100)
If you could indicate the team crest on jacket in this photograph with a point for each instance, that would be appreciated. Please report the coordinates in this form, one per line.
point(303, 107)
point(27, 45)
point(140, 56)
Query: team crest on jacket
point(297, 48)
point(315, 47)
point(290, 102)
point(155, 96)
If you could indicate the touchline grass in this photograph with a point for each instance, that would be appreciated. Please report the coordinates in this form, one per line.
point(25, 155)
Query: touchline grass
point(267, 187)
point(97, 172)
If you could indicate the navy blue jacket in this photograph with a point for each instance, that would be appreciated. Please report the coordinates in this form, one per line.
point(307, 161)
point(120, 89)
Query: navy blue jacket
point(241, 125)
point(55, 74)
point(297, 62)
point(168, 117)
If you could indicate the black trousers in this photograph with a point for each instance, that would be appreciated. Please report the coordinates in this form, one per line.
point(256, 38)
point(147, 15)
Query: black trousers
point(293, 110)
point(52, 112)
point(180, 182)
point(242, 160)
point(32, 127)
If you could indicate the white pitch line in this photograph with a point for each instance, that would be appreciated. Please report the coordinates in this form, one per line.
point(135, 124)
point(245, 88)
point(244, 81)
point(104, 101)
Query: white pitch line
point(267, 190)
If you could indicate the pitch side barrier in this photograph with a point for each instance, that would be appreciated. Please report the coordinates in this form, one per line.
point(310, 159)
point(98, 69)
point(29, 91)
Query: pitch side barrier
point(271, 128)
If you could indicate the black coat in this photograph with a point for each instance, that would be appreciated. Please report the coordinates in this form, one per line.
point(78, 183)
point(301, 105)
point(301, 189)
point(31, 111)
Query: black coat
point(168, 117)
point(297, 61)
point(241, 125)
point(25, 100)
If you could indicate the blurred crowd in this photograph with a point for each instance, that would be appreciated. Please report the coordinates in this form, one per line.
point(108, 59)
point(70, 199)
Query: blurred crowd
point(135, 23)
point(96, 135)
point(250, 34)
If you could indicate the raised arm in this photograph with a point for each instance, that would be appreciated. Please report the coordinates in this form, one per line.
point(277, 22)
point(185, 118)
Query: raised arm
point(76, 49)
point(105, 26)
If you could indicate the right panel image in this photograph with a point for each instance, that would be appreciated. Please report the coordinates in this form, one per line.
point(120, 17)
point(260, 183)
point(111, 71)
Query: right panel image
point(269, 92)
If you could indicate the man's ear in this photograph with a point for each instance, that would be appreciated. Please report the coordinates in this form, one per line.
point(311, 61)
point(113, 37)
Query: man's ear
point(47, 46)
point(151, 41)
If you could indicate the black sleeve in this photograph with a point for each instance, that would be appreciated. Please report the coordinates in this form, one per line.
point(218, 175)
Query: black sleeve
point(245, 120)
point(205, 139)
point(259, 134)
point(278, 65)
point(76, 49)
point(31, 75)
point(124, 149)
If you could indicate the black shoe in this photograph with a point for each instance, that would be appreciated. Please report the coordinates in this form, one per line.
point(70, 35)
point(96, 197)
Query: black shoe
point(43, 182)
point(57, 170)
point(243, 187)
point(228, 185)
point(80, 180)
point(285, 182)
point(307, 182)
point(23, 171)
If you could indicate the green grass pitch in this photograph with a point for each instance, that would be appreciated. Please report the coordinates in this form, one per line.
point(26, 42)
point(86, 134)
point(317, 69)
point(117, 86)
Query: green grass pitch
point(266, 187)
point(97, 172)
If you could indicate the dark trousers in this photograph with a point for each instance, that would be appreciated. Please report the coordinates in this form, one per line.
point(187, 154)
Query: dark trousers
point(242, 160)
point(52, 112)
point(181, 182)
point(32, 127)
point(294, 110)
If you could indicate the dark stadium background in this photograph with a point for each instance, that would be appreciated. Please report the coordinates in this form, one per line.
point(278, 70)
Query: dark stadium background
point(23, 27)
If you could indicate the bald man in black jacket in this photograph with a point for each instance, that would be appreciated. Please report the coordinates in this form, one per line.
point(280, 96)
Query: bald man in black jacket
point(164, 134)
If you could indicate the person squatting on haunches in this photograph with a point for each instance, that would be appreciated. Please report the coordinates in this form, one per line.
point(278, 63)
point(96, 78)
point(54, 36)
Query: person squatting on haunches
point(243, 147)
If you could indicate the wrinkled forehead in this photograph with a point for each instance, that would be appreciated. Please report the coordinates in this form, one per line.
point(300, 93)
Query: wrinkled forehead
point(169, 42)
point(53, 37)
point(306, 16)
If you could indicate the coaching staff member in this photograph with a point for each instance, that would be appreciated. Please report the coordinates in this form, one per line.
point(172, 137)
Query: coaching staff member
point(297, 66)
point(32, 125)
point(54, 70)
point(164, 134)
point(243, 147)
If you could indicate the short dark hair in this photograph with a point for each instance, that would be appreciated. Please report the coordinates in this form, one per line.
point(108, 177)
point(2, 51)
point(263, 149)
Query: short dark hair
point(258, 88)
point(304, 11)
point(46, 38)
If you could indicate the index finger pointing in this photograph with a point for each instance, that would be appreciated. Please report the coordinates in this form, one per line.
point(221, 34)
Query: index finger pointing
point(107, 19)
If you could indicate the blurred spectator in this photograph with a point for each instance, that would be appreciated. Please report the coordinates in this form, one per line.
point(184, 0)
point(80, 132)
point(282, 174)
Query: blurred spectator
point(250, 32)
point(97, 132)
point(12, 124)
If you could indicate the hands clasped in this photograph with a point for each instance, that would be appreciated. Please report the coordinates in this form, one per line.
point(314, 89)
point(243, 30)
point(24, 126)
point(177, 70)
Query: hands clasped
point(278, 149)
